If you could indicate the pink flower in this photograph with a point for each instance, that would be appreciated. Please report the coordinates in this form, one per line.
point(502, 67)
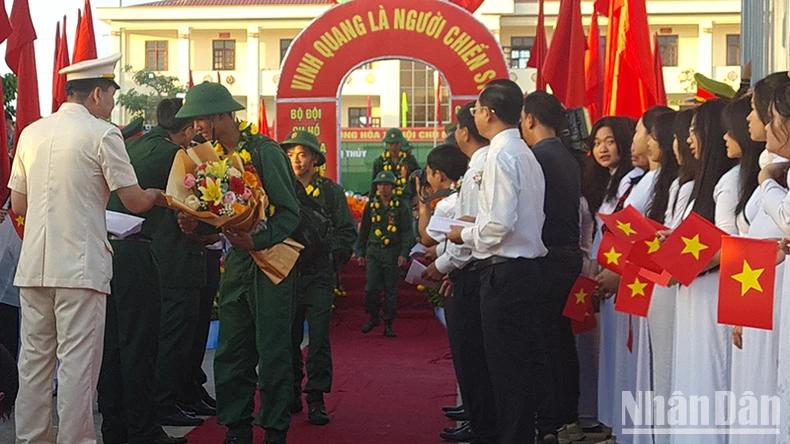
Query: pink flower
point(229, 198)
point(189, 181)
point(246, 194)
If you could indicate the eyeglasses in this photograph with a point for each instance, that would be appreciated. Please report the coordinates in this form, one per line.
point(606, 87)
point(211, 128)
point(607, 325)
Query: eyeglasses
point(474, 110)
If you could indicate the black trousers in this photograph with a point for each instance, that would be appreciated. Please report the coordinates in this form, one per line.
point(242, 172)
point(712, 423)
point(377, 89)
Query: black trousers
point(9, 329)
point(560, 268)
point(193, 390)
point(131, 336)
point(465, 332)
point(512, 311)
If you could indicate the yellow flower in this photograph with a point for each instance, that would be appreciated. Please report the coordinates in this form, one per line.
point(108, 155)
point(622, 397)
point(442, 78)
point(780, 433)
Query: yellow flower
point(238, 208)
point(309, 190)
point(387, 154)
point(254, 129)
point(219, 149)
point(402, 155)
point(212, 192)
point(245, 155)
point(271, 210)
point(421, 287)
point(386, 241)
point(218, 168)
point(317, 192)
point(250, 179)
point(378, 218)
point(373, 219)
point(378, 205)
point(394, 229)
point(243, 125)
point(378, 232)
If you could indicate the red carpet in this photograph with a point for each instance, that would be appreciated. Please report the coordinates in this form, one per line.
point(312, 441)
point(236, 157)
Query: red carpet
point(386, 391)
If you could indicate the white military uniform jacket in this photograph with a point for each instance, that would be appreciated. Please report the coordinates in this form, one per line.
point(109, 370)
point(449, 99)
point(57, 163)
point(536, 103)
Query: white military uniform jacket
point(67, 164)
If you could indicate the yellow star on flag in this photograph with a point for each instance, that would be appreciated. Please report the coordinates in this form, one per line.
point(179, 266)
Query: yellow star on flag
point(626, 228)
point(653, 245)
point(693, 246)
point(580, 296)
point(613, 257)
point(749, 278)
point(586, 314)
point(637, 288)
point(20, 220)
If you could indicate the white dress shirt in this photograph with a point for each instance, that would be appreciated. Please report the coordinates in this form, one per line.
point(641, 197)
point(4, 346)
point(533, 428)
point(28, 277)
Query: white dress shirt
point(642, 195)
point(444, 208)
point(510, 205)
point(776, 202)
point(725, 194)
point(456, 256)
point(67, 164)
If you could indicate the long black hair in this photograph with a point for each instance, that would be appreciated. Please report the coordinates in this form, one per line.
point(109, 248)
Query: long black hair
point(710, 133)
point(662, 130)
point(689, 165)
point(738, 128)
point(764, 91)
point(599, 184)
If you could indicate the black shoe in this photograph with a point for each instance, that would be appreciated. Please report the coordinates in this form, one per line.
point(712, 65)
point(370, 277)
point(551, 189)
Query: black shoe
point(199, 408)
point(463, 425)
point(275, 437)
point(388, 330)
point(205, 397)
point(454, 408)
point(463, 435)
point(316, 410)
point(459, 415)
point(179, 419)
point(370, 325)
point(296, 403)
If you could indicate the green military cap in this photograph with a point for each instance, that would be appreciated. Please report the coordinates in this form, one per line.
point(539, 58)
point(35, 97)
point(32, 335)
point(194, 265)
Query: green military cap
point(394, 135)
point(208, 99)
point(385, 177)
point(132, 128)
point(710, 89)
point(305, 139)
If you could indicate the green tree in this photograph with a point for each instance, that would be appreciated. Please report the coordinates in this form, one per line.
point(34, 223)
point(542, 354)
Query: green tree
point(9, 93)
point(144, 103)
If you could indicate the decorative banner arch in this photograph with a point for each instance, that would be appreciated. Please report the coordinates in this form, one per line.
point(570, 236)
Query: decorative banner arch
point(435, 32)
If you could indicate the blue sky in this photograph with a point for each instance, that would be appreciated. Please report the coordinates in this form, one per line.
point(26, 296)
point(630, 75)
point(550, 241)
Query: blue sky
point(46, 14)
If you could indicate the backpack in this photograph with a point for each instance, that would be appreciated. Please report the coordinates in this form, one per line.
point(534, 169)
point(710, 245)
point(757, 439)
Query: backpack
point(314, 230)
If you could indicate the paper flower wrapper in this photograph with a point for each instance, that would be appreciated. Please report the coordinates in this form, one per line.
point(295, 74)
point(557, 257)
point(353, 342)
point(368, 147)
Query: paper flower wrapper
point(276, 262)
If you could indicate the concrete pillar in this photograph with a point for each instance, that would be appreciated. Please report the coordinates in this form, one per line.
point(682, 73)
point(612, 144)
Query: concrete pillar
point(253, 73)
point(390, 98)
point(118, 36)
point(705, 58)
point(184, 54)
point(777, 32)
point(754, 16)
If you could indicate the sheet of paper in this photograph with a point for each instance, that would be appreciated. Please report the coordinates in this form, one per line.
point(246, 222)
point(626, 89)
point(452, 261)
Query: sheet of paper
point(414, 275)
point(443, 224)
point(123, 225)
point(417, 249)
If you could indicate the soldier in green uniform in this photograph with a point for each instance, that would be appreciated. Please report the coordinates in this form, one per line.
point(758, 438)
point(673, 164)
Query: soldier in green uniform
point(315, 281)
point(399, 160)
point(255, 316)
point(126, 392)
point(385, 240)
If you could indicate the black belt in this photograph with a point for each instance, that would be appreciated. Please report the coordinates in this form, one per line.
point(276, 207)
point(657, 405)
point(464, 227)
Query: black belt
point(132, 238)
point(485, 263)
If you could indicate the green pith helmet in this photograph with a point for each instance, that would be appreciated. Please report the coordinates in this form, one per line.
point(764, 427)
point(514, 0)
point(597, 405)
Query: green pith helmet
point(385, 177)
point(708, 88)
point(132, 128)
point(208, 99)
point(394, 135)
point(305, 139)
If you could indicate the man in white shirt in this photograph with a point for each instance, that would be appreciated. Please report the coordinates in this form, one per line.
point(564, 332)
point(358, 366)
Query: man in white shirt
point(65, 167)
point(506, 241)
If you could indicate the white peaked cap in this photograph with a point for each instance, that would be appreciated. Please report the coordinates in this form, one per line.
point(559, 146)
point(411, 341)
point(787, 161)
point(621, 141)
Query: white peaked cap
point(93, 69)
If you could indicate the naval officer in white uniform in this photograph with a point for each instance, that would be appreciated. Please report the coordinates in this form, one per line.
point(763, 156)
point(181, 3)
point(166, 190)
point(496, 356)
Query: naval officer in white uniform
point(65, 168)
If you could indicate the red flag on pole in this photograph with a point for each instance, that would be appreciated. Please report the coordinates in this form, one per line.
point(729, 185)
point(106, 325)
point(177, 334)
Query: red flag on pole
point(661, 92)
point(77, 33)
point(634, 293)
point(564, 64)
point(579, 301)
point(539, 49)
point(5, 161)
point(263, 123)
point(593, 71)
point(630, 84)
point(369, 114)
point(20, 56)
point(746, 282)
point(191, 83)
point(61, 61)
point(85, 41)
point(689, 248)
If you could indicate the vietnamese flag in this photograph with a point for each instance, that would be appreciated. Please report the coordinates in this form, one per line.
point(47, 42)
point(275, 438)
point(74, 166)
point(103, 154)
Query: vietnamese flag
point(18, 221)
point(658, 68)
point(589, 323)
point(746, 282)
point(263, 124)
point(580, 299)
point(634, 293)
point(628, 224)
point(85, 40)
point(537, 56)
point(20, 56)
point(643, 251)
point(689, 248)
point(613, 252)
point(593, 70)
point(5, 161)
point(61, 61)
point(564, 64)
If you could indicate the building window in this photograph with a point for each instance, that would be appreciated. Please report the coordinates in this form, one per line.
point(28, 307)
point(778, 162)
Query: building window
point(156, 55)
point(284, 45)
point(224, 55)
point(668, 44)
point(733, 49)
point(520, 50)
point(417, 81)
point(357, 118)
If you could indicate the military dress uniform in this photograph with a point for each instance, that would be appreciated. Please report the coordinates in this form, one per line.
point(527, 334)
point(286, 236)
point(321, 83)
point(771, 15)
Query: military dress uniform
point(131, 334)
point(314, 289)
point(255, 315)
point(382, 249)
point(66, 165)
point(385, 162)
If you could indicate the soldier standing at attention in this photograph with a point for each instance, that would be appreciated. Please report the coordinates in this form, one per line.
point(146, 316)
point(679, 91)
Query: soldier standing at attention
point(255, 316)
point(131, 332)
point(399, 160)
point(315, 281)
point(385, 238)
point(65, 167)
